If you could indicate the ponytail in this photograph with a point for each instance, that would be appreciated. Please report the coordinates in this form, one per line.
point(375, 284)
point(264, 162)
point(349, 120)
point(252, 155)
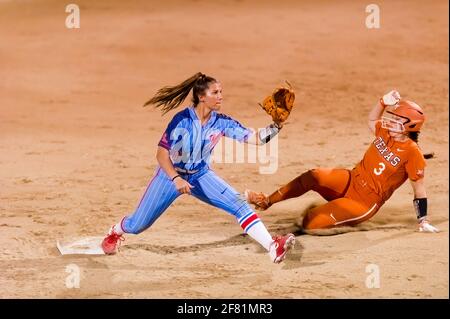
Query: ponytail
point(170, 97)
point(414, 136)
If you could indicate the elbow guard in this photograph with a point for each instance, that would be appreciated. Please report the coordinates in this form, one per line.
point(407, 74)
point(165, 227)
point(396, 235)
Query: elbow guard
point(266, 134)
point(420, 206)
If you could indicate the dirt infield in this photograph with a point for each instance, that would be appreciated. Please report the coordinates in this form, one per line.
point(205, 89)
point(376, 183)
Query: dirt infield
point(78, 150)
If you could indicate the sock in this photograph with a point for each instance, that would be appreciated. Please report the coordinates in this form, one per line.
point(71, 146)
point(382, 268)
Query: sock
point(255, 228)
point(118, 228)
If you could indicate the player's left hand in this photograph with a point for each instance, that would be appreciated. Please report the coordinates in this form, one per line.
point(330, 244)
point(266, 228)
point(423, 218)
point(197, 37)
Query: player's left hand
point(279, 104)
point(426, 227)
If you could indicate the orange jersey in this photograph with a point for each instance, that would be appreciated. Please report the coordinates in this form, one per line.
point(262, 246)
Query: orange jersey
point(387, 164)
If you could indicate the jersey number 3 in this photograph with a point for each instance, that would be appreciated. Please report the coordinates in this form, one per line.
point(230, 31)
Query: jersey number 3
point(379, 171)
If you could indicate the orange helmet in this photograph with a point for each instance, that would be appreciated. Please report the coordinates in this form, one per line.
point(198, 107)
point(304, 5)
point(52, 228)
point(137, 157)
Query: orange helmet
point(406, 116)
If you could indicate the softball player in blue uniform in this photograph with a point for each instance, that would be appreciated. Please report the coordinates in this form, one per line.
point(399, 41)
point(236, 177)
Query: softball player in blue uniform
point(183, 156)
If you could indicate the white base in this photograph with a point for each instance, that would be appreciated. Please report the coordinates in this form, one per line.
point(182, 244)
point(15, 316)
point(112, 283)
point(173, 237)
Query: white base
point(83, 246)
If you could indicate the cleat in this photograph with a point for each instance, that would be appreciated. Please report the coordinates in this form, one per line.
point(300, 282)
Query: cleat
point(112, 241)
point(280, 246)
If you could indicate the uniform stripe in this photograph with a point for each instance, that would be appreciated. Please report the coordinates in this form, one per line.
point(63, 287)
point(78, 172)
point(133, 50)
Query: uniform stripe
point(248, 220)
point(356, 218)
point(218, 193)
point(152, 205)
point(148, 213)
point(148, 186)
point(164, 145)
point(244, 217)
point(252, 224)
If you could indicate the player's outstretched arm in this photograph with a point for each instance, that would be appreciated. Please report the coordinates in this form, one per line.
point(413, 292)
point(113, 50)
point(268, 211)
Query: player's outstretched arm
point(264, 135)
point(389, 99)
point(420, 206)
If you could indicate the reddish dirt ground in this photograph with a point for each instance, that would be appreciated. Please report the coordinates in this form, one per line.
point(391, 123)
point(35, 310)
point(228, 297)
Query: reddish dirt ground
point(78, 150)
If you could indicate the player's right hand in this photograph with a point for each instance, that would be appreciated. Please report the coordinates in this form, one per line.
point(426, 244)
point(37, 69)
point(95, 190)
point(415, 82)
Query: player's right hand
point(182, 186)
point(426, 227)
point(391, 98)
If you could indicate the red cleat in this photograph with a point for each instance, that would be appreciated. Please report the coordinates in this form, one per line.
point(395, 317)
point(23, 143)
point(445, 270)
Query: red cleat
point(280, 246)
point(112, 241)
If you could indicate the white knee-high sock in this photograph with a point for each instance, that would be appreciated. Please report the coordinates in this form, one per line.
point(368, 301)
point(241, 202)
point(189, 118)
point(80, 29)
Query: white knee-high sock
point(259, 233)
point(255, 228)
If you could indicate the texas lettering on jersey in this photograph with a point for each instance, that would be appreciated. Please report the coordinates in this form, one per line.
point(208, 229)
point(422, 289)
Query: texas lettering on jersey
point(385, 151)
point(387, 164)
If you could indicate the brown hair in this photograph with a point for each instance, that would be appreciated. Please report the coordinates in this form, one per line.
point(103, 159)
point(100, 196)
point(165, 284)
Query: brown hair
point(170, 97)
point(414, 136)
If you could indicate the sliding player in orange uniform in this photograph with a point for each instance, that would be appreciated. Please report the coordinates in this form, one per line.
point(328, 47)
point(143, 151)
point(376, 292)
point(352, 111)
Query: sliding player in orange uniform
point(356, 195)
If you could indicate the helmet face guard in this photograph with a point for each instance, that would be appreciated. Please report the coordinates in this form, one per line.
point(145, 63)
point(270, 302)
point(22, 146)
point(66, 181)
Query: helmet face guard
point(392, 125)
point(394, 122)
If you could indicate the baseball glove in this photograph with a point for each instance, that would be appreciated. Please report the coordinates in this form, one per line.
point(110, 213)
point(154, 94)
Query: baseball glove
point(279, 104)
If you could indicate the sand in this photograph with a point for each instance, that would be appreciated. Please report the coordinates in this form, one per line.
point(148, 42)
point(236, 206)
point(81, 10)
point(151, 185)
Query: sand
point(77, 149)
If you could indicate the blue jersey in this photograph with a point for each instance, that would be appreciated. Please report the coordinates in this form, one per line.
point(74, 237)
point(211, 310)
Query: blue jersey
point(190, 144)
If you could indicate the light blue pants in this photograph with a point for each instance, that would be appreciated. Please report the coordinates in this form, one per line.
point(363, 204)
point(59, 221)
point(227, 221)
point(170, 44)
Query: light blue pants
point(208, 187)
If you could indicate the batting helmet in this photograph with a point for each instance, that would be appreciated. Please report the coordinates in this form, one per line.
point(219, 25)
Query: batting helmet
point(406, 116)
